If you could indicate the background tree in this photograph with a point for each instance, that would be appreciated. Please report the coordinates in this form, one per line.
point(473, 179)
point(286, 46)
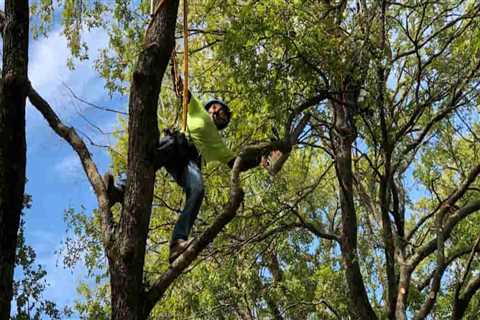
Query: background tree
point(13, 94)
point(29, 289)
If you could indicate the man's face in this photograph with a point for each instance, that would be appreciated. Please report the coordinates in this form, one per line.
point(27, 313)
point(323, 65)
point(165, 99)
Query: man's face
point(217, 114)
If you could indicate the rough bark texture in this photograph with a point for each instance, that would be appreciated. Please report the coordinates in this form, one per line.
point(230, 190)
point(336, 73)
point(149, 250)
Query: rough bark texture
point(403, 288)
point(360, 307)
point(13, 87)
point(126, 257)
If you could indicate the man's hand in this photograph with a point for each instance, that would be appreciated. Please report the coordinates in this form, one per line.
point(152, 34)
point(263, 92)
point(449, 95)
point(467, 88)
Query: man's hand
point(179, 89)
point(269, 161)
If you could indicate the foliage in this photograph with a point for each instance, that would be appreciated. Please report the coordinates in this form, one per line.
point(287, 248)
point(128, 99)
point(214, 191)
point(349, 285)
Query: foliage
point(29, 289)
point(408, 75)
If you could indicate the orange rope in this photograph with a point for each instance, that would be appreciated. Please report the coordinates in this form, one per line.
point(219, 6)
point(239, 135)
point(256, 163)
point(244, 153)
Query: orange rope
point(185, 65)
point(175, 77)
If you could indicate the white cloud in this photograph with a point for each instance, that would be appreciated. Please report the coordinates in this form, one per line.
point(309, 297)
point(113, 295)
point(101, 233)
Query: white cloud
point(69, 167)
point(48, 71)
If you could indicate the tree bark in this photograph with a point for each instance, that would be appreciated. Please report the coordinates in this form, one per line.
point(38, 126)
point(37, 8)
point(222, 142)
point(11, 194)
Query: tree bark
point(13, 93)
point(403, 288)
point(460, 305)
point(127, 256)
point(344, 136)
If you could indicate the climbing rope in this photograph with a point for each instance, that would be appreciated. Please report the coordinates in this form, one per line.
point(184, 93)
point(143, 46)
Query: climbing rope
point(153, 12)
point(185, 65)
point(175, 77)
point(175, 81)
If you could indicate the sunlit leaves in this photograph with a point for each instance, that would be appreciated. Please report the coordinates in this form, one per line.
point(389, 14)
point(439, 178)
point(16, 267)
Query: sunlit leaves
point(417, 82)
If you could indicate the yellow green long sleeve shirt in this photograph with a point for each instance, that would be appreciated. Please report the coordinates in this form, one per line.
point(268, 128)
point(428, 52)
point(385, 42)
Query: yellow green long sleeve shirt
point(204, 134)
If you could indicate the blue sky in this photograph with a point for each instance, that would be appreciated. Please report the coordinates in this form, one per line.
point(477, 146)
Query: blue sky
point(56, 180)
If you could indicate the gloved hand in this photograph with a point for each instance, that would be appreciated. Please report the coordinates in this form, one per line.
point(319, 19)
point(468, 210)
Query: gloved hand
point(270, 159)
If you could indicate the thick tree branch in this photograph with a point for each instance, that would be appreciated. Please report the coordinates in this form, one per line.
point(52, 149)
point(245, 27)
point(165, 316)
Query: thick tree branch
point(236, 196)
point(317, 230)
point(291, 140)
point(311, 102)
point(461, 301)
point(293, 133)
point(461, 305)
point(2, 21)
point(431, 298)
point(431, 246)
point(451, 258)
point(127, 265)
point(448, 204)
point(70, 135)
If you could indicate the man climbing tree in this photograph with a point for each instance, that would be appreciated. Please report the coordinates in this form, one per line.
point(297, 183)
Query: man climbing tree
point(181, 156)
point(124, 236)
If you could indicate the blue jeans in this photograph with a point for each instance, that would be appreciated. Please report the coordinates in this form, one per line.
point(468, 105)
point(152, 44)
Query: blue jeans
point(190, 179)
point(182, 162)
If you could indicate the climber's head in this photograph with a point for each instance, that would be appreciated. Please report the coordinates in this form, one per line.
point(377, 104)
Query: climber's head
point(219, 112)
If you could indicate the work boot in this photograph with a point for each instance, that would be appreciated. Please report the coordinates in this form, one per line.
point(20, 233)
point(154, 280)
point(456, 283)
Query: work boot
point(114, 193)
point(177, 247)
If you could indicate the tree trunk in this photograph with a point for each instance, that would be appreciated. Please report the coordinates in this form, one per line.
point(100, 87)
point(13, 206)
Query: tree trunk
point(127, 256)
point(460, 304)
point(13, 87)
point(344, 136)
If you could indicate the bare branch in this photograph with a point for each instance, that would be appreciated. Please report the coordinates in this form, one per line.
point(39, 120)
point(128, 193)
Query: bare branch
point(460, 303)
point(70, 135)
point(452, 23)
point(90, 103)
point(453, 104)
point(431, 246)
